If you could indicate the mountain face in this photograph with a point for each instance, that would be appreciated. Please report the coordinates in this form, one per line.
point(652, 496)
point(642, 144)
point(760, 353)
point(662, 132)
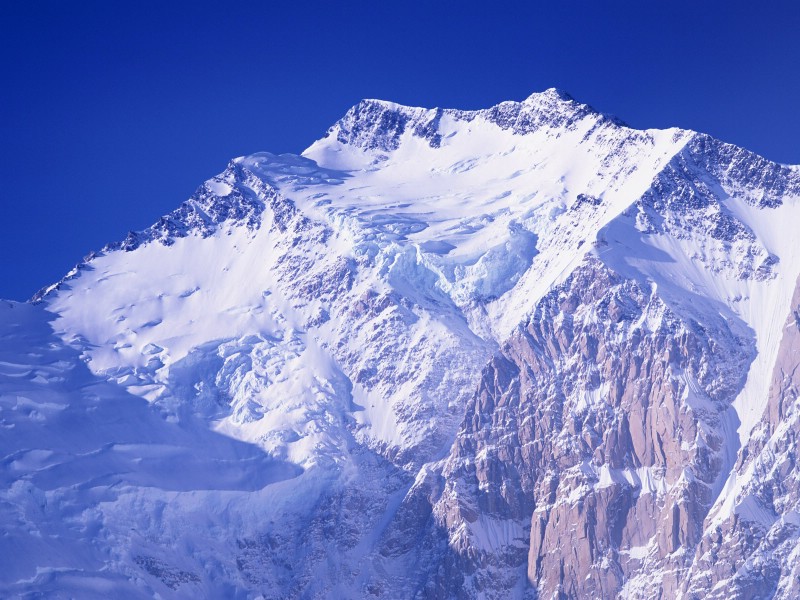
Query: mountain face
point(522, 352)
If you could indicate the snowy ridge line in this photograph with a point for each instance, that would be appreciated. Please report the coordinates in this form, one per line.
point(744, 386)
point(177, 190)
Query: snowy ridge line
point(379, 124)
point(198, 214)
point(219, 200)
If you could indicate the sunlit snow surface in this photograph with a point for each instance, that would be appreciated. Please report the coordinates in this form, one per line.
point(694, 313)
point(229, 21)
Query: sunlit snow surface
point(339, 322)
point(471, 233)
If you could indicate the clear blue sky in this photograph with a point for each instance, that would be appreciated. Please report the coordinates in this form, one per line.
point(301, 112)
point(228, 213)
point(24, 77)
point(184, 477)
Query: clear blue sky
point(112, 113)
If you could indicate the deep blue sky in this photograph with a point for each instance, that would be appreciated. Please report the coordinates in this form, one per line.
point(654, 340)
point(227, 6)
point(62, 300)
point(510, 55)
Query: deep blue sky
point(112, 113)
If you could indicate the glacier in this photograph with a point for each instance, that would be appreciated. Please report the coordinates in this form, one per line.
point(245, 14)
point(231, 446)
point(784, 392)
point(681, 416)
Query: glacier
point(519, 352)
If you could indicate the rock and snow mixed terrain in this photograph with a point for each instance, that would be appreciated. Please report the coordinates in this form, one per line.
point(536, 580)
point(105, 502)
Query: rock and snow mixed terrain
point(521, 352)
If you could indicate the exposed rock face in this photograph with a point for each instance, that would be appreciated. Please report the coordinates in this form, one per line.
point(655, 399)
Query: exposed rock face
point(589, 453)
point(750, 547)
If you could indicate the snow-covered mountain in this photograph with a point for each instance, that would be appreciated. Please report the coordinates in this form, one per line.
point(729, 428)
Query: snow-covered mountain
point(521, 352)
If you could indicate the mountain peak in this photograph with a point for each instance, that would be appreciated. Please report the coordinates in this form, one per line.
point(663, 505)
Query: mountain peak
point(379, 125)
point(553, 93)
point(423, 348)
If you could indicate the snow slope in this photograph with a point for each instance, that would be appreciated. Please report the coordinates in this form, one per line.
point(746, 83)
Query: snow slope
point(87, 467)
